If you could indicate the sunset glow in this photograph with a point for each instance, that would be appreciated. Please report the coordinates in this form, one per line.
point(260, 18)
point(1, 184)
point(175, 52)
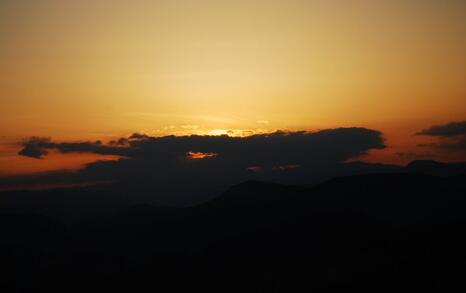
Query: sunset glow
point(200, 155)
point(98, 70)
point(228, 146)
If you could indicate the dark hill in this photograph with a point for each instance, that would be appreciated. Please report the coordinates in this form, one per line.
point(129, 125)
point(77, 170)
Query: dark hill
point(251, 192)
point(436, 168)
point(395, 232)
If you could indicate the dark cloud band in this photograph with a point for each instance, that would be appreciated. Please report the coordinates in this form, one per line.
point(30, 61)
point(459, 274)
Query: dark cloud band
point(452, 136)
point(445, 130)
point(274, 148)
point(181, 168)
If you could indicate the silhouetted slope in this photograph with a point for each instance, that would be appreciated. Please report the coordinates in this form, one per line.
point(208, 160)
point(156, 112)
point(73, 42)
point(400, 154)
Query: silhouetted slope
point(370, 233)
point(28, 243)
point(436, 168)
point(71, 205)
point(396, 197)
point(250, 192)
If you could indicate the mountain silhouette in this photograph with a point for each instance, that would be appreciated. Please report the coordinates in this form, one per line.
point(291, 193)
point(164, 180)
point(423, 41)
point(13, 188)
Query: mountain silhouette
point(381, 232)
point(436, 168)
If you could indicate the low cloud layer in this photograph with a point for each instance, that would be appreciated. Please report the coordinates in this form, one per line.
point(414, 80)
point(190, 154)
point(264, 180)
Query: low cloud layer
point(445, 130)
point(452, 136)
point(194, 164)
point(38, 147)
point(263, 149)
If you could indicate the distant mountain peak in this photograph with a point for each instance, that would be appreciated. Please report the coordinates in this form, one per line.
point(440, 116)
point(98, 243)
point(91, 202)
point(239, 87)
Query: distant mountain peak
point(251, 191)
point(425, 163)
point(437, 168)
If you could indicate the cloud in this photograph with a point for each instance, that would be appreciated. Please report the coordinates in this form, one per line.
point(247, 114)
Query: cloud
point(459, 144)
point(138, 136)
point(445, 130)
point(121, 141)
point(164, 168)
point(261, 149)
point(35, 147)
point(38, 147)
point(452, 136)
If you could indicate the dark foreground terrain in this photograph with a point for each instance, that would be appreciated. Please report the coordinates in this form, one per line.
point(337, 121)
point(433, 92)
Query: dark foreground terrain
point(371, 233)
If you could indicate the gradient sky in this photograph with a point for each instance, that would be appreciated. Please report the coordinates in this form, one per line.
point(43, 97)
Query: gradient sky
point(78, 70)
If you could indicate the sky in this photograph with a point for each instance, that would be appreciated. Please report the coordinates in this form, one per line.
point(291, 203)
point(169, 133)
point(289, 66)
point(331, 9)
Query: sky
point(100, 70)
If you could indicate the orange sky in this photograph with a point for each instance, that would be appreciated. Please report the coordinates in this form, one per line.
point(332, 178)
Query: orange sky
point(77, 70)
